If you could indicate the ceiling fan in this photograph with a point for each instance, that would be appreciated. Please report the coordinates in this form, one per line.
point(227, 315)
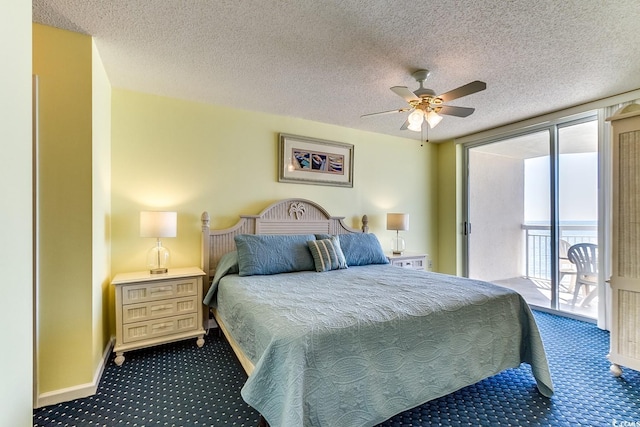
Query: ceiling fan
point(425, 105)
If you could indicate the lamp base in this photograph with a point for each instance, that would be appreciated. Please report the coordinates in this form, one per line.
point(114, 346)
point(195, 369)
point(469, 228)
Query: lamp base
point(158, 259)
point(398, 245)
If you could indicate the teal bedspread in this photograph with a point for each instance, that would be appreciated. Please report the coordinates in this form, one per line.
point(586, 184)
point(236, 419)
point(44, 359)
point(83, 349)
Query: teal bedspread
point(354, 347)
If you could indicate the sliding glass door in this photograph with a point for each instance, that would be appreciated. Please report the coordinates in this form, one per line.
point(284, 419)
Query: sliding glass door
point(530, 198)
point(578, 217)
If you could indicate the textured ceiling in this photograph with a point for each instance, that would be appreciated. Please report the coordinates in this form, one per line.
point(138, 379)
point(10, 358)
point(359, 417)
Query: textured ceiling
point(333, 60)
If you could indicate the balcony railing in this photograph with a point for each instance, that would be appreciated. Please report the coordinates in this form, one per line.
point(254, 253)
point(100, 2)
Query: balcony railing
point(538, 245)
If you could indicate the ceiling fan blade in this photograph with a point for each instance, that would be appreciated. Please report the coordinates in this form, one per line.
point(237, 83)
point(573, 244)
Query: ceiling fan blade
point(465, 90)
point(397, 110)
point(405, 93)
point(456, 111)
point(405, 125)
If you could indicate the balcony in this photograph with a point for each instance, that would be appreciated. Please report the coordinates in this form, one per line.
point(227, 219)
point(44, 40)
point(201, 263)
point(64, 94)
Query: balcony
point(535, 283)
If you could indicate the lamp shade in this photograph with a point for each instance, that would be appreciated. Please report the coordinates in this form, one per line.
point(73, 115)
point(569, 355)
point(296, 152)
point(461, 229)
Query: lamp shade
point(397, 221)
point(158, 224)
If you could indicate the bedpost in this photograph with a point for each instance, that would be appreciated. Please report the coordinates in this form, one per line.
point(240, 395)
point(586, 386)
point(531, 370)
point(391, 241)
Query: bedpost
point(204, 253)
point(365, 224)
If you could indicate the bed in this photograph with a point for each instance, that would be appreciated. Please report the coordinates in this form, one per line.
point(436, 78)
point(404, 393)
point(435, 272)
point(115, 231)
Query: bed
point(330, 334)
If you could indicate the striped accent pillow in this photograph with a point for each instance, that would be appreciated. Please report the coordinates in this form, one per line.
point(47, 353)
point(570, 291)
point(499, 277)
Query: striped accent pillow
point(327, 254)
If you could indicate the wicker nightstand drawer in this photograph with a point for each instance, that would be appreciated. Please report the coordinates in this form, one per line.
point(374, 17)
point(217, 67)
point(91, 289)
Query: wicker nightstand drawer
point(406, 260)
point(159, 290)
point(159, 327)
point(155, 309)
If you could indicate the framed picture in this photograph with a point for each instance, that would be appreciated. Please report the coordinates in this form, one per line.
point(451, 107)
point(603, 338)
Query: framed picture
point(315, 161)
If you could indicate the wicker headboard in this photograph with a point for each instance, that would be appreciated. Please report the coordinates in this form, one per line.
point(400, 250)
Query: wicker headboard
point(289, 216)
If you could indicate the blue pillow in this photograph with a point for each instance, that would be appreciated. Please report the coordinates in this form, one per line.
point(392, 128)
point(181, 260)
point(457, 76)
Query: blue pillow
point(327, 254)
point(273, 253)
point(360, 248)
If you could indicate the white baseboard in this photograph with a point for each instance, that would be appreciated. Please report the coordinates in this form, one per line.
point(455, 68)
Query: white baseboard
point(79, 391)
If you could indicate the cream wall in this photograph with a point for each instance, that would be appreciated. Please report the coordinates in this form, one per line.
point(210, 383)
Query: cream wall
point(101, 205)
point(190, 157)
point(73, 210)
point(496, 199)
point(16, 216)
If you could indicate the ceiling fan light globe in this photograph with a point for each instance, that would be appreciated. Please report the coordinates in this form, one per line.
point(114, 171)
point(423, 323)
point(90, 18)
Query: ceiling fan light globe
point(433, 119)
point(415, 127)
point(416, 117)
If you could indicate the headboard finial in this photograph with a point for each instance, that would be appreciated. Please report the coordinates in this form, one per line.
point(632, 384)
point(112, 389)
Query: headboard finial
point(205, 218)
point(365, 224)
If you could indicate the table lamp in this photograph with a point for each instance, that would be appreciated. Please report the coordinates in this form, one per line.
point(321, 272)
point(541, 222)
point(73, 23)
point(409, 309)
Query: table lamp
point(398, 222)
point(158, 224)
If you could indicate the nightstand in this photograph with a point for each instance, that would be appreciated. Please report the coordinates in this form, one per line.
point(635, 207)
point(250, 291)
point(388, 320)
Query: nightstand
point(414, 261)
point(153, 309)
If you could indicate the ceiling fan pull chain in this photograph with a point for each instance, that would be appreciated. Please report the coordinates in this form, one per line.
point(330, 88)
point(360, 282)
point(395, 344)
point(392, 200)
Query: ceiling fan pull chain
point(421, 135)
point(427, 135)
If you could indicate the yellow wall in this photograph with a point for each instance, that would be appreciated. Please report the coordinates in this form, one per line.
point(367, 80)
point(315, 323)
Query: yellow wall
point(15, 216)
point(190, 157)
point(71, 284)
point(449, 210)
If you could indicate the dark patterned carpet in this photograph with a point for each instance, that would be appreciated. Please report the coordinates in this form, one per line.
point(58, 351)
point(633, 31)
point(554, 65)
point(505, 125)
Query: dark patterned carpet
point(183, 385)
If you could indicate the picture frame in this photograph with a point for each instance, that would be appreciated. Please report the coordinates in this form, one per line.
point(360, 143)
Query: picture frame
point(305, 160)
